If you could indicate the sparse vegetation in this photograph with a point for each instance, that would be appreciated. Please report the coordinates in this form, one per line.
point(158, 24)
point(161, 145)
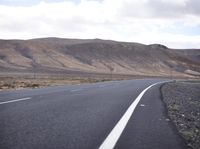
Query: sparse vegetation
point(183, 104)
point(29, 82)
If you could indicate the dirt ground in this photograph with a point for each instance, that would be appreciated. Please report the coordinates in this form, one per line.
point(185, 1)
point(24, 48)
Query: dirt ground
point(182, 100)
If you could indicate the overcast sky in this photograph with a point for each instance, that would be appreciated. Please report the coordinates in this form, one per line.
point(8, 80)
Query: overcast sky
point(175, 23)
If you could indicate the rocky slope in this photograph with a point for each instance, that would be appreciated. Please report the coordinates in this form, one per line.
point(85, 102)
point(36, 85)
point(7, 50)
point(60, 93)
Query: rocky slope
point(96, 56)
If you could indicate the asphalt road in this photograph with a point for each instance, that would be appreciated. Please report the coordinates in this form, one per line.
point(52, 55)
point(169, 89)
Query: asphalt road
point(82, 116)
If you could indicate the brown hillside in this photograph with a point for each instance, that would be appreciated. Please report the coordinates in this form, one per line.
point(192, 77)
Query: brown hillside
point(96, 56)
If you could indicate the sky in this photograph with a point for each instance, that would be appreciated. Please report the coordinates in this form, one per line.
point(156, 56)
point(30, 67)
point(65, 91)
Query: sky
point(174, 23)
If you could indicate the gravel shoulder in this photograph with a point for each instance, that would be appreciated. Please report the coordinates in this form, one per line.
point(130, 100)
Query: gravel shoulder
point(182, 100)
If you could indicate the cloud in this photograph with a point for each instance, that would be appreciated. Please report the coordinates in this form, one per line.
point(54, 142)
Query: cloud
point(160, 8)
point(146, 21)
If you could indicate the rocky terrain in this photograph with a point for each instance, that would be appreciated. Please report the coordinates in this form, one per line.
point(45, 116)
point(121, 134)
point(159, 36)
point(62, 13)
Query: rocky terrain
point(182, 100)
point(96, 56)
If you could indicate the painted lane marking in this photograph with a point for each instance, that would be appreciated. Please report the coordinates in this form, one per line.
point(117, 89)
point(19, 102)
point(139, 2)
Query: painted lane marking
point(16, 100)
point(112, 138)
point(75, 90)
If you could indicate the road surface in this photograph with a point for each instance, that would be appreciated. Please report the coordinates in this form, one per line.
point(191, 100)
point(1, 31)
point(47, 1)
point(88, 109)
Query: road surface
point(83, 116)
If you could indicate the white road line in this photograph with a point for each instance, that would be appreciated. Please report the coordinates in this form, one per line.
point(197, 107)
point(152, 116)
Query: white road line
point(112, 138)
point(16, 100)
point(102, 85)
point(75, 90)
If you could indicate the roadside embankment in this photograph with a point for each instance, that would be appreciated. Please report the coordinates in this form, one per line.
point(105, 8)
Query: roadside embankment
point(182, 100)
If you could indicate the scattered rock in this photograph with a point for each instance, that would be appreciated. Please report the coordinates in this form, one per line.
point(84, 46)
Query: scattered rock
point(142, 105)
point(167, 119)
point(183, 104)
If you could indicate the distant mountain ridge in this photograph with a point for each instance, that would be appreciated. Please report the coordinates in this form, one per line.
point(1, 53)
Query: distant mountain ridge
point(96, 56)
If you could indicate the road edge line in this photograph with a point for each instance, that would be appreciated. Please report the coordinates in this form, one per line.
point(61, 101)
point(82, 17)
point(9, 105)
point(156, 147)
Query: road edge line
point(114, 135)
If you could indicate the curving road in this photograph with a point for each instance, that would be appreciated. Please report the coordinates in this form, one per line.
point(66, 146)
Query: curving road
point(82, 116)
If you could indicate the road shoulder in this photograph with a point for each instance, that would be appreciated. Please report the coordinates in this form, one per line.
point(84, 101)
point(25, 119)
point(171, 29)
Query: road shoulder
point(149, 126)
point(182, 101)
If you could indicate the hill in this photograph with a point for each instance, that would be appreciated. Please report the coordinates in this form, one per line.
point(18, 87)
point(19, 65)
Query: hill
point(53, 55)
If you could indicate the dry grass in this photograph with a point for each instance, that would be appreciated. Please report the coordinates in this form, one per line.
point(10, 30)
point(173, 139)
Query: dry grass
point(17, 83)
point(27, 80)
